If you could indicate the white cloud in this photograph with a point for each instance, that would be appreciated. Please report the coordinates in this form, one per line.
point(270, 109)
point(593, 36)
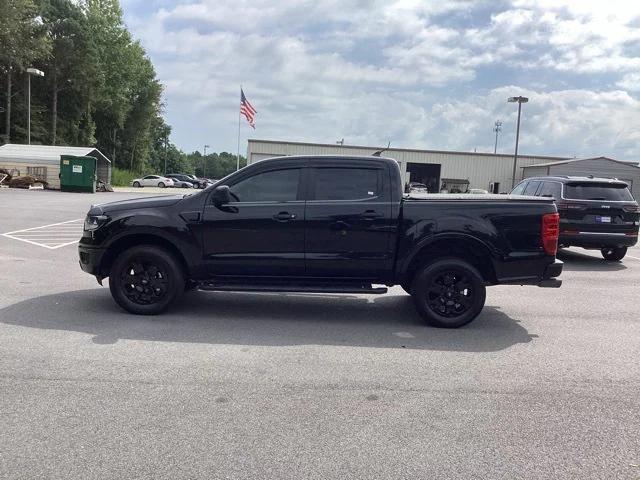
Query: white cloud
point(411, 71)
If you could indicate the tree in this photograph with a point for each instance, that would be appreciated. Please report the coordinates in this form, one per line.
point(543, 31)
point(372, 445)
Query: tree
point(23, 40)
point(69, 72)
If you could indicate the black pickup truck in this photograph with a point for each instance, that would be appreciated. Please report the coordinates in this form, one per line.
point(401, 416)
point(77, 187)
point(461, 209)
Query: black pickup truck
point(322, 224)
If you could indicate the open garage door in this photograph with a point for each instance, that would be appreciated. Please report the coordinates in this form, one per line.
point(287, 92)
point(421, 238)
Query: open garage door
point(426, 173)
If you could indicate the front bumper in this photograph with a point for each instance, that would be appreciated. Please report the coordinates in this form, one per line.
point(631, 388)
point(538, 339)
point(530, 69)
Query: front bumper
point(597, 240)
point(91, 259)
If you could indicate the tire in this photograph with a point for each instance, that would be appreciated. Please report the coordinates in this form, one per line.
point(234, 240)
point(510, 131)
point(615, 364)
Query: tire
point(137, 184)
point(159, 280)
point(438, 300)
point(184, 185)
point(161, 185)
point(614, 254)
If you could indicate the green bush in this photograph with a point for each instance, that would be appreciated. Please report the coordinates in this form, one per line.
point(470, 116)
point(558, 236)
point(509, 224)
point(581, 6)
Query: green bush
point(121, 177)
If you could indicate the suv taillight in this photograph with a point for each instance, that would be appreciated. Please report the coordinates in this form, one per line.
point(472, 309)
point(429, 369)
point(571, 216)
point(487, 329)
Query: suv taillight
point(549, 233)
point(631, 208)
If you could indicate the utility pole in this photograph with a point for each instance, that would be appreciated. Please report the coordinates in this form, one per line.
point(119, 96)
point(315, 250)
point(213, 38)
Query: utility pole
point(39, 73)
point(519, 100)
point(497, 129)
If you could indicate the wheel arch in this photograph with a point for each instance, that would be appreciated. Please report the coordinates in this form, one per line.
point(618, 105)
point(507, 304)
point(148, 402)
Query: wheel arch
point(135, 239)
point(464, 247)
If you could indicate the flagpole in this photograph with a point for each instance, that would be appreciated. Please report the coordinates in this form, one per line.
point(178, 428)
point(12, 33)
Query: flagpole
point(239, 118)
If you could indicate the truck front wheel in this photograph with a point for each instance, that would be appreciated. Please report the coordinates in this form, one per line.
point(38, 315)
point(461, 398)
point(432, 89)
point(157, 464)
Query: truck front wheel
point(448, 293)
point(146, 279)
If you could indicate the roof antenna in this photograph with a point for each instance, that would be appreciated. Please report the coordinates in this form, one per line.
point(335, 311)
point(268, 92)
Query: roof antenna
point(379, 152)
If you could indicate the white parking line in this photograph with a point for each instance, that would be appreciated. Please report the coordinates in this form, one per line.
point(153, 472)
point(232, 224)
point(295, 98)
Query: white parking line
point(52, 236)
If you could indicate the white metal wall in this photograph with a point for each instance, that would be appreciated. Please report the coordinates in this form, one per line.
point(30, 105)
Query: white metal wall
point(479, 169)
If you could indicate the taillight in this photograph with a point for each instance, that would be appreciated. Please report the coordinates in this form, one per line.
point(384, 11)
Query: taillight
point(631, 208)
point(549, 233)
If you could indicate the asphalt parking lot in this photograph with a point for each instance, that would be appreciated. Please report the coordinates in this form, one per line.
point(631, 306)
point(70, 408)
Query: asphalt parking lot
point(544, 384)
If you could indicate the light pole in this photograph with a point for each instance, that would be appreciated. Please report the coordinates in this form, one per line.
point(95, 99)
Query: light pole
point(204, 162)
point(39, 73)
point(497, 129)
point(520, 100)
point(166, 140)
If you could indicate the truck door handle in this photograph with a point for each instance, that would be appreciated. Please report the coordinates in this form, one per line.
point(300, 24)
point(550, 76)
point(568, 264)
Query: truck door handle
point(284, 216)
point(371, 215)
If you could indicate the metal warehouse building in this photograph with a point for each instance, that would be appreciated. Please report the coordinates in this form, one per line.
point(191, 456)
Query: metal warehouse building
point(488, 171)
point(43, 161)
point(598, 167)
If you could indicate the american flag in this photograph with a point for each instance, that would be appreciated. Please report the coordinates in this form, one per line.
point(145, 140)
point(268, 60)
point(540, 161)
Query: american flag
point(247, 110)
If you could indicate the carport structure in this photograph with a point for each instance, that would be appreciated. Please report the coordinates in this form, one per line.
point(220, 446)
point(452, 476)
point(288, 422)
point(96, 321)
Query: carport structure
point(43, 161)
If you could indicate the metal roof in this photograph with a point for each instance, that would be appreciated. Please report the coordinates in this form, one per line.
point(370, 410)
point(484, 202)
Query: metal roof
point(398, 149)
point(45, 153)
point(573, 160)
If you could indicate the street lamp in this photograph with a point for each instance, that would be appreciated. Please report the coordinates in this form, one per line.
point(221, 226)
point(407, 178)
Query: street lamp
point(204, 162)
point(39, 73)
point(519, 100)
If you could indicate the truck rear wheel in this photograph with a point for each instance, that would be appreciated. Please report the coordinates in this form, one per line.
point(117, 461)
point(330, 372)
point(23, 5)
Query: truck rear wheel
point(448, 293)
point(613, 254)
point(146, 279)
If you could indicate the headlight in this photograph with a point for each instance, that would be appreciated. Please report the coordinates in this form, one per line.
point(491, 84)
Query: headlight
point(93, 222)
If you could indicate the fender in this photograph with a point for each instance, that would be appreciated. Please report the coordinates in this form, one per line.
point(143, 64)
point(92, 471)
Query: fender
point(403, 264)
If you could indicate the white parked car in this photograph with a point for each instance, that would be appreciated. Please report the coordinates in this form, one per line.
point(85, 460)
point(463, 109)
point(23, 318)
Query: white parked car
point(152, 181)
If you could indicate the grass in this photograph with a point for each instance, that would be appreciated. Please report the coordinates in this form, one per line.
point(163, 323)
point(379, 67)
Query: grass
point(121, 177)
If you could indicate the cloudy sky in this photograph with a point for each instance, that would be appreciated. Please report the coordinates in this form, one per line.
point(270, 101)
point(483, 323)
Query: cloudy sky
point(421, 74)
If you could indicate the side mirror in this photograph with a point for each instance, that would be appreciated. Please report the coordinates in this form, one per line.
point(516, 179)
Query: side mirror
point(221, 196)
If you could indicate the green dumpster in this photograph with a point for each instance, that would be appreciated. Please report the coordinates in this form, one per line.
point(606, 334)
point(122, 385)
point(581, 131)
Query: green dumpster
point(78, 174)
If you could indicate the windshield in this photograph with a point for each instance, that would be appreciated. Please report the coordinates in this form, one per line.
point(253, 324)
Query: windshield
point(597, 191)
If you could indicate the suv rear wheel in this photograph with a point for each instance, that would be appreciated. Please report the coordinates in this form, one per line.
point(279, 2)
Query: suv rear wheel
point(448, 293)
point(614, 254)
point(146, 279)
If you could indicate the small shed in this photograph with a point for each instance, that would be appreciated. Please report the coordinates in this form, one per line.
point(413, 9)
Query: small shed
point(43, 161)
point(602, 167)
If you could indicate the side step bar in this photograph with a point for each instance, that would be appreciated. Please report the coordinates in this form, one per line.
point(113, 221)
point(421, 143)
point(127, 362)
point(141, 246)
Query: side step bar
point(290, 287)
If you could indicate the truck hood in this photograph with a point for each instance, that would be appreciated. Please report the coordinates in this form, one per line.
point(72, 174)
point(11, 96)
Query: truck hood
point(135, 203)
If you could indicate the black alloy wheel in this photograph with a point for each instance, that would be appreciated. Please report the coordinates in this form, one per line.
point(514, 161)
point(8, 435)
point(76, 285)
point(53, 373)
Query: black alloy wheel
point(145, 280)
point(449, 293)
point(613, 254)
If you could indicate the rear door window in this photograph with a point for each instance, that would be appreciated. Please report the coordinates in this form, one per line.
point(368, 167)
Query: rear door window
point(531, 188)
point(347, 184)
point(597, 191)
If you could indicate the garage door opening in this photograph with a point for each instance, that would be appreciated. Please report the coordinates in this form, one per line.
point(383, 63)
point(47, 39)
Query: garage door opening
point(426, 173)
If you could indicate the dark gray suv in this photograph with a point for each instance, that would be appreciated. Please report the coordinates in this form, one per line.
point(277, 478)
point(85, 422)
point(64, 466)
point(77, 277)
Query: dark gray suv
point(595, 213)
